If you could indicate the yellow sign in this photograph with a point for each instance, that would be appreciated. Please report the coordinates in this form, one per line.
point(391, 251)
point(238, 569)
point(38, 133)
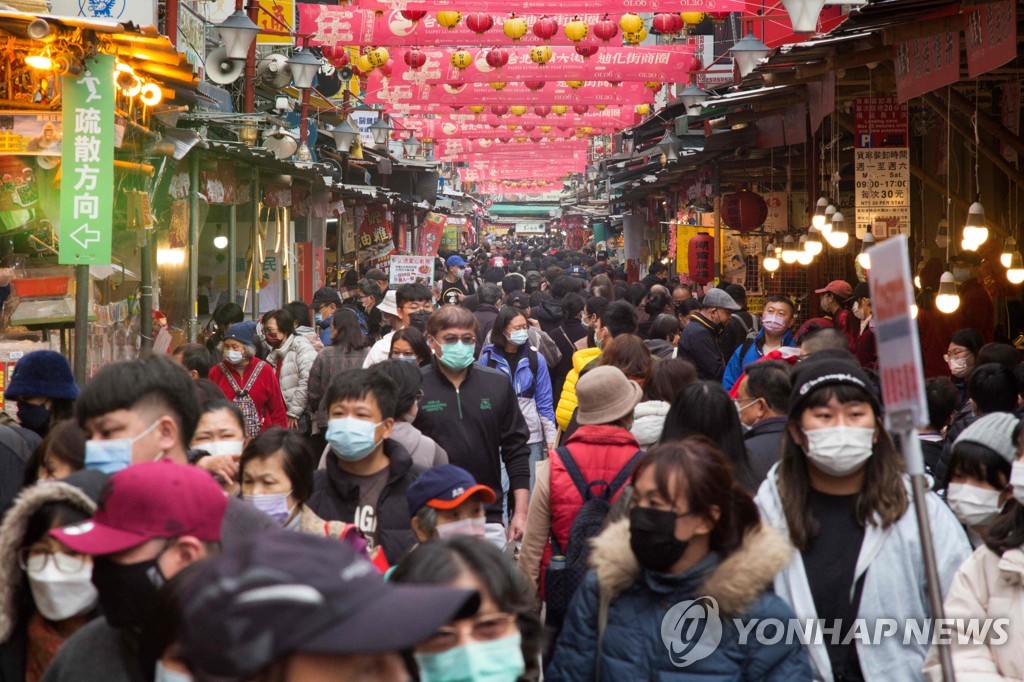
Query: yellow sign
point(276, 15)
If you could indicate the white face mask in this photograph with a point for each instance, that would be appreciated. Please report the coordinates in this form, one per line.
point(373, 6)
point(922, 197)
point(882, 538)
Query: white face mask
point(222, 447)
point(61, 594)
point(233, 356)
point(974, 506)
point(958, 367)
point(1017, 481)
point(474, 527)
point(961, 274)
point(839, 450)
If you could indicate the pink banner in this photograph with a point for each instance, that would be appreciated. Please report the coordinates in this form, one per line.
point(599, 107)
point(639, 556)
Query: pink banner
point(666, 64)
point(990, 32)
point(501, 7)
point(503, 133)
point(925, 64)
point(426, 98)
point(612, 117)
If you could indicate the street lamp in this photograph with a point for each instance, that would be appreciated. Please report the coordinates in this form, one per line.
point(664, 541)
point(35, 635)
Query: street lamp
point(345, 135)
point(667, 144)
point(304, 66)
point(747, 52)
point(410, 146)
point(803, 14)
point(380, 128)
point(692, 97)
point(237, 33)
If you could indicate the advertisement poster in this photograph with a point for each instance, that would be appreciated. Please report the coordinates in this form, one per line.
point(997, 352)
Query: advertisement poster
point(430, 234)
point(31, 133)
point(411, 270)
point(450, 236)
point(375, 245)
point(882, 167)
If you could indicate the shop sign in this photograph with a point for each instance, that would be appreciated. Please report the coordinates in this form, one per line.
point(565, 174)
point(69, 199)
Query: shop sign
point(139, 12)
point(375, 245)
point(990, 31)
point(778, 212)
point(430, 234)
point(881, 167)
point(276, 15)
point(87, 165)
point(31, 133)
point(411, 270)
point(926, 64)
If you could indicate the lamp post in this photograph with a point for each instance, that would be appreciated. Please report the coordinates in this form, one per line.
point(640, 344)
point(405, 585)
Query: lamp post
point(381, 128)
point(747, 52)
point(237, 32)
point(692, 97)
point(667, 144)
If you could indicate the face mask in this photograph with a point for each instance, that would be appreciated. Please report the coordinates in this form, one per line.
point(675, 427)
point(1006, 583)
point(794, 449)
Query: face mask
point(216, 448)
point(110, 456)
point(597, 340)
point(1017, 481)
point(855, 309)
point(273, 343)
point(352, 439)
point(974, 506)
point(474, 528)
point(165, 675)
point(519, 337)
point(405, 358)
point(961, 274)
point(499, 660)
point(457, 356)
point(59, 594)
point(773, 323)
point(652, 537)
point(33, 417)
point(839, 450)
point(460, 272)
point(233, 357)
point(318, 318)
point(959, 368)
point(418, 319)
point(126, 591)
point(274, 505)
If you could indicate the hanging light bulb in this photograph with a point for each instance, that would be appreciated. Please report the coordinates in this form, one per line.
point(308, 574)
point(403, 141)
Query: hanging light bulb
point(838, 238)
point(789, 253)
point(913, 311)
point(830, 211)
point(771, 259)
point(975, 229)
point(863, 259)
point(813, 244)
point(942, 234)
point(947, 299)
point(1009, 247)
point(1015, 270)
point(819, 213)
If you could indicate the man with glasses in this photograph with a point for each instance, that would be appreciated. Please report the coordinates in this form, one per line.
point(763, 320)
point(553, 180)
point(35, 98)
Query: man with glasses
point(762, 401)
point(415, 303)
point(473, 413)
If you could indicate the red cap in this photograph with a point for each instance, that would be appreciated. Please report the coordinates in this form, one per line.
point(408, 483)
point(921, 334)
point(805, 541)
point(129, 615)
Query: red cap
point(841, 289)
point(146, 501)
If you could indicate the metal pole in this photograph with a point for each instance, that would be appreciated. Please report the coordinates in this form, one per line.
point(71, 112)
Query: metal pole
point(192, 292)
point(249, 78)
point(146, 292)
point(718, 238)
point(232, 251)
point(254, 237)
point(81, 323)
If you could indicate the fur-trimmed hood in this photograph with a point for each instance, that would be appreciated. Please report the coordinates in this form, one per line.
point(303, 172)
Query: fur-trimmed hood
point(12, 533)
point(736, 583)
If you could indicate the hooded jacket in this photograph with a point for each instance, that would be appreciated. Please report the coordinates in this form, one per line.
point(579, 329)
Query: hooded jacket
point(633, 647)
point(661, 349)
point(293, 360)
point(649, 421)
point(698, 343)
point(567, 402)
point(549, 314)
point(755, 351)
point(533, 392)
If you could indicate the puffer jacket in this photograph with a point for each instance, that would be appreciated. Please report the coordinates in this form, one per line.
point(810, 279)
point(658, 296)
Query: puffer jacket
point(987, 586)
point(568, 402)
point(633, 647)
point(649, 421)
point(533, 392)
point(293, 360)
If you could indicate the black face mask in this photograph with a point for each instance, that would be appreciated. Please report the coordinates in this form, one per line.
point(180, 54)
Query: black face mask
point(34, 417)
point(418, 319)
point(127, 592)
point(652, 537)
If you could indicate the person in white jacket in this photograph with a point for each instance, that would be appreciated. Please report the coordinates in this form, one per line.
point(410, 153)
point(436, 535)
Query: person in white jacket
point(291, 357)
point(668, 378)
point(841, 495)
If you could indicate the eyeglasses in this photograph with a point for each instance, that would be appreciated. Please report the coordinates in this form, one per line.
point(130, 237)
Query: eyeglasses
point(484, 628)
point(469, 339)
point(34, 560)
point(956, 355)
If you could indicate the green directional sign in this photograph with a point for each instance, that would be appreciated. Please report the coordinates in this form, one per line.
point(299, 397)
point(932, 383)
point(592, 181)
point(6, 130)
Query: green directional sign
point(87, 164)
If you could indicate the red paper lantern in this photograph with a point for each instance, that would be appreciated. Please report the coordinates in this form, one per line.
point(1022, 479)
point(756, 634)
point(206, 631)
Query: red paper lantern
point(587, 51)
point(385, 69)
point(337, 55)
point(606, 29)
point(542, 111)
point(701, 258)
point(718, 16)
point(528, 127)
point(545, 28)
point(415, 59)
point(580, 108)
point(667, 23)
point(534, 85)
point(497, 58)
point(479, 22)
point(615, 84)
point(744, 211)
point(499, 110)
point(599, 149)
point(413, 15)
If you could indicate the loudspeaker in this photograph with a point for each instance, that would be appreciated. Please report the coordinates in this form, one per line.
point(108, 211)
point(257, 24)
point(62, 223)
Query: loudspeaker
point(222, 70)
point(273, 69)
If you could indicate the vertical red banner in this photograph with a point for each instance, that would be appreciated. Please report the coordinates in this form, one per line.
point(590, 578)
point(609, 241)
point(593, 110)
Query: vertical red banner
point(304, 256)
point(430, 234)
point(990, 33)
point(926, 64)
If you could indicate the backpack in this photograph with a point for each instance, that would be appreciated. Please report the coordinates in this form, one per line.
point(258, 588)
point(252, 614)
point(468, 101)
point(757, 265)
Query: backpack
point(242, 399)
point(567, 568)
point(532, 357)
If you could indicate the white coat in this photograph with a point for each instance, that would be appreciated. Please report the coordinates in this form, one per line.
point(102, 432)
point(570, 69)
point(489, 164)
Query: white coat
point(296, 356)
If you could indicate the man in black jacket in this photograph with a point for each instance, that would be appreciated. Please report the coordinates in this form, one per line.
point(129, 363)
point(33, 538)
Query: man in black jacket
point(698, 342)
point(365, 482)
point(762, 401)
point(473, 413)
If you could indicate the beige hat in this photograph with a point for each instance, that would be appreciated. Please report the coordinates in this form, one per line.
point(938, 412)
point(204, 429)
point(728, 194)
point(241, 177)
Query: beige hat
point(605, 395)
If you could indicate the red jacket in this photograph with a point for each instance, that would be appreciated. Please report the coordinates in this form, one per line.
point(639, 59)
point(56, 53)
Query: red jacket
point(978, 310)
point(600, 452)
point(265, 393)
point(846, 322)
point(865, 348)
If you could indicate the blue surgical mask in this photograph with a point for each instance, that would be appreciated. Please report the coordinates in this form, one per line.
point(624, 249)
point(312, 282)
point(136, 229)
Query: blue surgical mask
point(274, 505)
point(519, 337)
point(317, 317)
point(457, 356)
point(110, 456)
point(352, 439)
point(405, 358)
point(499, 660)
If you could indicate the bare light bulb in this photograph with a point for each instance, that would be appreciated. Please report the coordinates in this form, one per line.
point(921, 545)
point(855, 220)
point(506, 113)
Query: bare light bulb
point(947, 299)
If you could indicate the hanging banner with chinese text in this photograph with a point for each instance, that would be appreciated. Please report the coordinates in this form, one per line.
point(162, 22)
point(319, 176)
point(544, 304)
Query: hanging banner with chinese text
point(882, 167)
point(411, 270)
point(990, 33)
point(87, 164)
point(926, 64)
point(375, 245)
point(430, 234)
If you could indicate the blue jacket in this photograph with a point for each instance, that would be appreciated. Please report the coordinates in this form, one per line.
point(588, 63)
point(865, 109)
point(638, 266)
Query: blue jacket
point(734, 368)
point(534, 392)
point(633, 647)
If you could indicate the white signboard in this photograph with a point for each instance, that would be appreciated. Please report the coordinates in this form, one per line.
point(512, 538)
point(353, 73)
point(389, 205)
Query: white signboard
point(530, 228)
point(778, 212)
point(411, 270)
point(899, 349)
point(883, 191)
point(140, 12)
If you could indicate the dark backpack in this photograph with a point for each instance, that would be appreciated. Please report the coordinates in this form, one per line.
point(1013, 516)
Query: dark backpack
point(567, 569)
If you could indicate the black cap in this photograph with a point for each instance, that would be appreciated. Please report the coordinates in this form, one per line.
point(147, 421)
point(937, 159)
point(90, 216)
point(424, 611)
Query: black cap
point(279, 593)
point(862, 290)
point(969, 257)
point(830, 367)
point(326, 296)
point(519, 299)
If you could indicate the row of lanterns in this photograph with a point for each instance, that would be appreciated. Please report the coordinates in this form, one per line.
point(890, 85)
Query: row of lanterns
point(632, 25)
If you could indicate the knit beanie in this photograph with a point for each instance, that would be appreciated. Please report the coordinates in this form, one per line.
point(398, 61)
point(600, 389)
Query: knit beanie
point(828, 368)
point(995, 432)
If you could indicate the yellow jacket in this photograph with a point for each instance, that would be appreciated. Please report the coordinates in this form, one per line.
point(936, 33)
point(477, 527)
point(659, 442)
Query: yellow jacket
point(567, 402)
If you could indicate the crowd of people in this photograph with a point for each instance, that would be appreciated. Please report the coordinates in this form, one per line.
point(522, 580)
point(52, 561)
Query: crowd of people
point(520, 472)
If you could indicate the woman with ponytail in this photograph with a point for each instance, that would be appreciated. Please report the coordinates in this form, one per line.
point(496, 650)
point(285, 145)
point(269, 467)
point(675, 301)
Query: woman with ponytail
point(693, 543)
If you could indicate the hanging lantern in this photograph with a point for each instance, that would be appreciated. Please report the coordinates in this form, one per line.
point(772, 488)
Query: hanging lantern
point(479, 22)
point(586, 51)
point(462, 59)
point(631, 23)
point(378, 56)
point(514, 27)
point(534, 86)
point(513, 126)
point(337, 55)
point(642, 109)
point(545, 129)
point(653, 86)
point(606, 29)
point(803, 14)
point(413, 15)
point(528, 127)
point(701, 258)
point(518, 110)
point(541, 54)
point(691, 19)
point(666, 23)
point(499, 110)
point(747, 52)
point(559, 109)
point(576, 30)
point(477, 108)
point(635, 38)
point(542, 111)
point(580, 109)
point(575, 85)
point(415, 59)
point(545, 28)
point(600, 107)
point(497, 57)
point(362, 64)
point(498, 85)
point(719, 17)
point(744, 211)
point(385, 69)
point(585, 130)
point(449, 19)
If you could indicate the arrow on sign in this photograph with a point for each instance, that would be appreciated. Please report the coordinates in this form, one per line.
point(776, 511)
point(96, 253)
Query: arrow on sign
point(91, 236)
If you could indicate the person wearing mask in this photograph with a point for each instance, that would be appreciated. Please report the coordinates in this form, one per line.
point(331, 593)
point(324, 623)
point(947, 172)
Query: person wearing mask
point(366, 304)
point(409, 345)
point(425, 451)
point(377, 276)
point(991, 388)
point(977, 311)
point(775, 333)
point(155, 519)
point(366, 479)
point(304, 324)
point(453, 288)
point(698, 341)
point(413, 304)
point(248, 381)
point(348, 350)
point(326, 300)
point(538, 338)
point(692, 533)
point(592, 309)
point(500, 642)
point(61, 453)
point(446, 501)
point(663, 336)
point(224, 315)
point(509, 352)
point(42, 388)
point(762, 402)
point(864, 348)
point(680, 293)
point(961, 357)
point(292, 358)
point(839, 492)
point(331, 619)
point(835, 309)
point(473, 412)
point(218, 442)
point(667, 379)
point(46, 591)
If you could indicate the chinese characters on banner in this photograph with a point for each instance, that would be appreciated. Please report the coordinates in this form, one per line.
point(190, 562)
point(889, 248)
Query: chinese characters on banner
point(375, 245)
point(926, 64)
point(411, 270)
point(87, 164)
point(990, 33)
point(430, 234)
point(882, 167)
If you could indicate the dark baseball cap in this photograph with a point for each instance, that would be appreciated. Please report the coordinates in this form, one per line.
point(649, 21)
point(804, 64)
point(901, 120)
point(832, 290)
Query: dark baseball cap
point(325, 296)
point(280, 593)
point(519, 299)
point(969, 257)
point(577, 272)
point(445, 487)
point(377, 274)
